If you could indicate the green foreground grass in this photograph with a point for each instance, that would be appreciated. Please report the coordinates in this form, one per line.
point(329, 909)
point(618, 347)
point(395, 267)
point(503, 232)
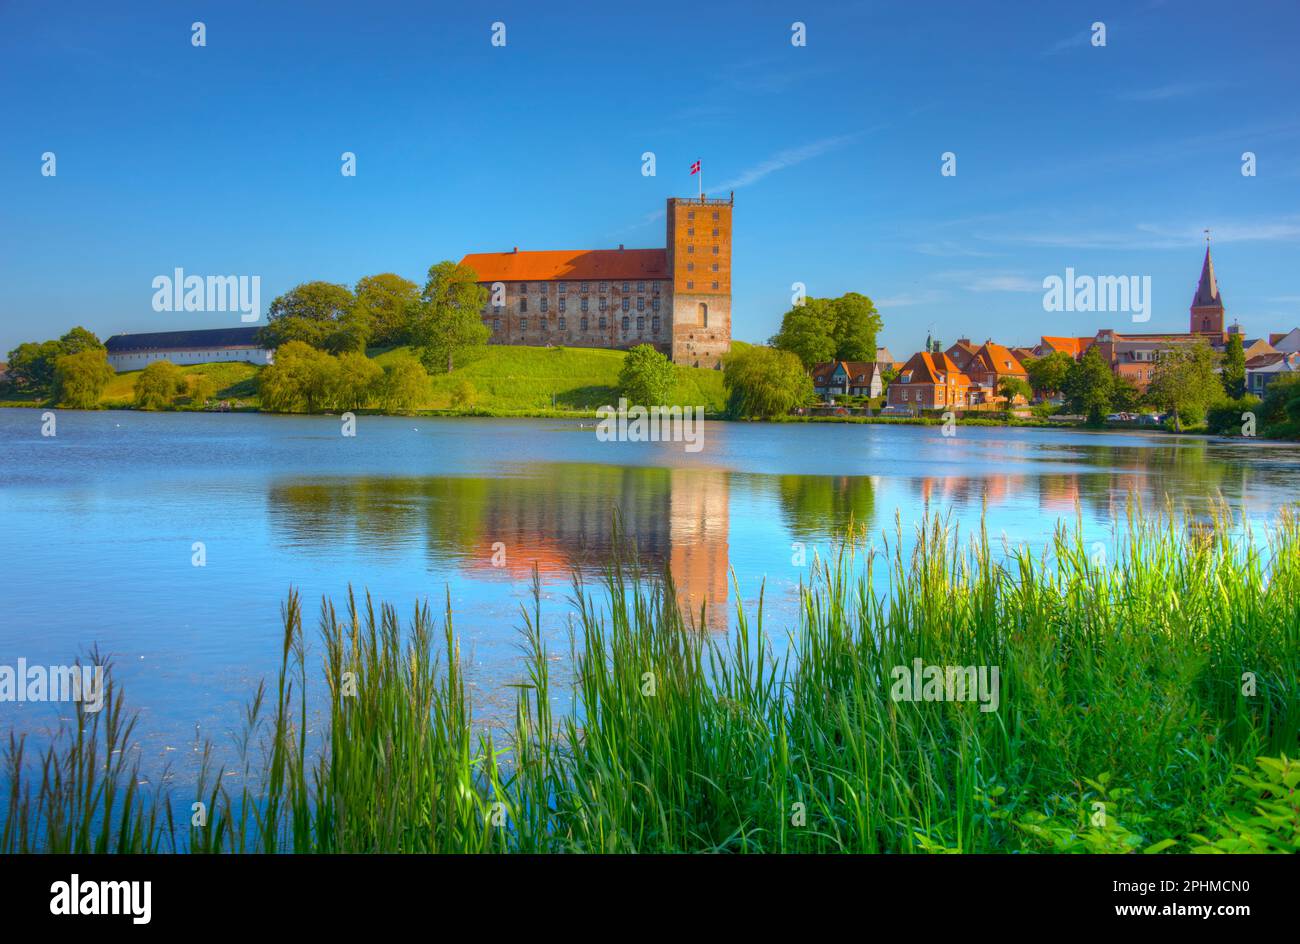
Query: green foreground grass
point(1144, 705)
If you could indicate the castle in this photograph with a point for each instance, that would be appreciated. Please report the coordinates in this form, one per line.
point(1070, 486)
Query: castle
point(677, 299)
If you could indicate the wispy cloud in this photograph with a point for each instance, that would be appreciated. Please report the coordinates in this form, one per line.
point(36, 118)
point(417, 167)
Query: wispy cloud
point(1162, 93)
point(1070, 42)
point(976, 280)
point(784, 159)
point(947, 247)
point(1157, 236)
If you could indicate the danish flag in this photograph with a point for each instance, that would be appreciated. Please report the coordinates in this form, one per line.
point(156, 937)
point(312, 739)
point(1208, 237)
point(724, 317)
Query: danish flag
point(695, 168)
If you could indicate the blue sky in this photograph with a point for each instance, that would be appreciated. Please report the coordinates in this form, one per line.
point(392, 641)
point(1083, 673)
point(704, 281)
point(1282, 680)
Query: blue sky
point(225, 159)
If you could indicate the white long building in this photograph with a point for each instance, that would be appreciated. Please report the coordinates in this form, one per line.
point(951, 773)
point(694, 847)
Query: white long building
point(213, 345)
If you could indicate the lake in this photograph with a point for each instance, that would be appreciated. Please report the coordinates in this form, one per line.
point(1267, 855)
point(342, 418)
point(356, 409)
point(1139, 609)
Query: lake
point(100, 524)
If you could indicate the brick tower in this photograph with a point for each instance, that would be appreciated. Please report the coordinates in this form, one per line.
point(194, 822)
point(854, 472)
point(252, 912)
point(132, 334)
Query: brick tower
point(699, 265)
point(1207, 306)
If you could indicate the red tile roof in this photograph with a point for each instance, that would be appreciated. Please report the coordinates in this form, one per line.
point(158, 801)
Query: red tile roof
point(1072, 346)
point(926, 368)
point(588, 265)
point(997, 359)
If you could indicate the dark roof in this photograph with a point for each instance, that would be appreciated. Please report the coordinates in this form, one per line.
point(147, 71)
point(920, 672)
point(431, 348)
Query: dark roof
point(183, 340)
point(1207, 289)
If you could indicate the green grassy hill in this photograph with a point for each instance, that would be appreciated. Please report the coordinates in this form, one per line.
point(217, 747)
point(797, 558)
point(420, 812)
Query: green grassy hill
point(503, 379)
point(507, 379)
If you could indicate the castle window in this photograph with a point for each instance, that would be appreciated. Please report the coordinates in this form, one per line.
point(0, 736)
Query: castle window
point(654, 324)
point(627, 286)
point(690, 249)
point(545, 304)
point(715, 250)
point(523, 305)
point(640, 324)
point(715, 231)
point(584, 286)
point(715, 286)
point(715, 214)
point(640, 304)
point(655, 304)
point(704, 314)
point(582, 325)
point(604, 303)
point(690, 214)
point(563, 305)
point(496, 324)
point(627, 303)
point(715, 267)
point(690, 286)
point(584, 304)
point(523, 324)
point(690, 231)
point(690, 267)
point(564, 287)
point(604, 286)
point(640, 286)
point(626, 323)
point(603, 323)
point(563, 324)
point(656, 287)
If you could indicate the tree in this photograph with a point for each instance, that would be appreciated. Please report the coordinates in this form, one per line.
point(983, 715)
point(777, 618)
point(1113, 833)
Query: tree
point(80, 379)
point(1047, 373)
point(1183, 382)
point(1012, 387)
point(807, 332)
point(463, 394)
point(448, 321)
point(1280, 412)
point(320, 314)
point(158, 385)
point(1126, 397)
point(355, 381)
point(387, 302)
point(1089, 386)
point(856, 324)
point(647, 377)
point(31, 364)
point(404, 386)
point(302, 379)
point(201, 388)
point(764, 382)
point(1233, 376)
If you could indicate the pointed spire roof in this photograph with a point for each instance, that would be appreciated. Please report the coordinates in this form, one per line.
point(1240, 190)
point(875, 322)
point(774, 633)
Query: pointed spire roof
point(1207, 290)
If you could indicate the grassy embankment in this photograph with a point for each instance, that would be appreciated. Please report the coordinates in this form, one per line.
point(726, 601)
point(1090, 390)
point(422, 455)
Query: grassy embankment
point(1136, 700)
point(524, 381)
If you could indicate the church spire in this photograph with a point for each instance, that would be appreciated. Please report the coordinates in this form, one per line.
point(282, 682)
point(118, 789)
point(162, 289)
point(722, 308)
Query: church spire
point(1207, 309)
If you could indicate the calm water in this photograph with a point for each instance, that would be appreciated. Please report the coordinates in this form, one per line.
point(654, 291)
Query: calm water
point(98, 524)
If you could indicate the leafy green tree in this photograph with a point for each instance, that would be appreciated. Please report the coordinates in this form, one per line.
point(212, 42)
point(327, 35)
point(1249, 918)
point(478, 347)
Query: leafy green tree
point(79, 339)
point(355, 381)
point(201, 388)
point(647, 377)
point(1233, 376)
point(448, 322)
point(856, 324)
point(80, 379)
point(1126, 397)
point(463, 394)
point(387, 303)
point(764, 382)
point(1183, 382)
point(404, 386)
point(1089, 386)
point(824, 329)
point(1047, 373)
point(1225, 419)
point(158, 386)
point(1012, 387)
point(1279, 414)
point(320, 314)
point(302, 379)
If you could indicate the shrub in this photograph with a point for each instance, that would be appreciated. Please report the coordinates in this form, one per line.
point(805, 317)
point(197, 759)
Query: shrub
point(158, 386)
point(80, 379)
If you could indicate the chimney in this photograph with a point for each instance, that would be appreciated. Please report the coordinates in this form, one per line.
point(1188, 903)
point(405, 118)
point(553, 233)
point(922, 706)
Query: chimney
point(620, 247)
point(516, 249)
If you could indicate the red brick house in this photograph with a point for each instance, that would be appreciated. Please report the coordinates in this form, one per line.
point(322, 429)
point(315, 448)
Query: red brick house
point(930, 382)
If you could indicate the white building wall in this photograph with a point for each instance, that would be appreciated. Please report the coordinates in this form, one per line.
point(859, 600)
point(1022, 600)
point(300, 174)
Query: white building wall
point(138, 360)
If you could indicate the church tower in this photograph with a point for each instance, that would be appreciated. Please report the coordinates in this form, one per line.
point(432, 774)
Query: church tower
point(699, 265)
point(1207, 306)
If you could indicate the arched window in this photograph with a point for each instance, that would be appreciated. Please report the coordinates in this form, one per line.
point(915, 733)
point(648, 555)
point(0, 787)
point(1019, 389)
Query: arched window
point(704, 314)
